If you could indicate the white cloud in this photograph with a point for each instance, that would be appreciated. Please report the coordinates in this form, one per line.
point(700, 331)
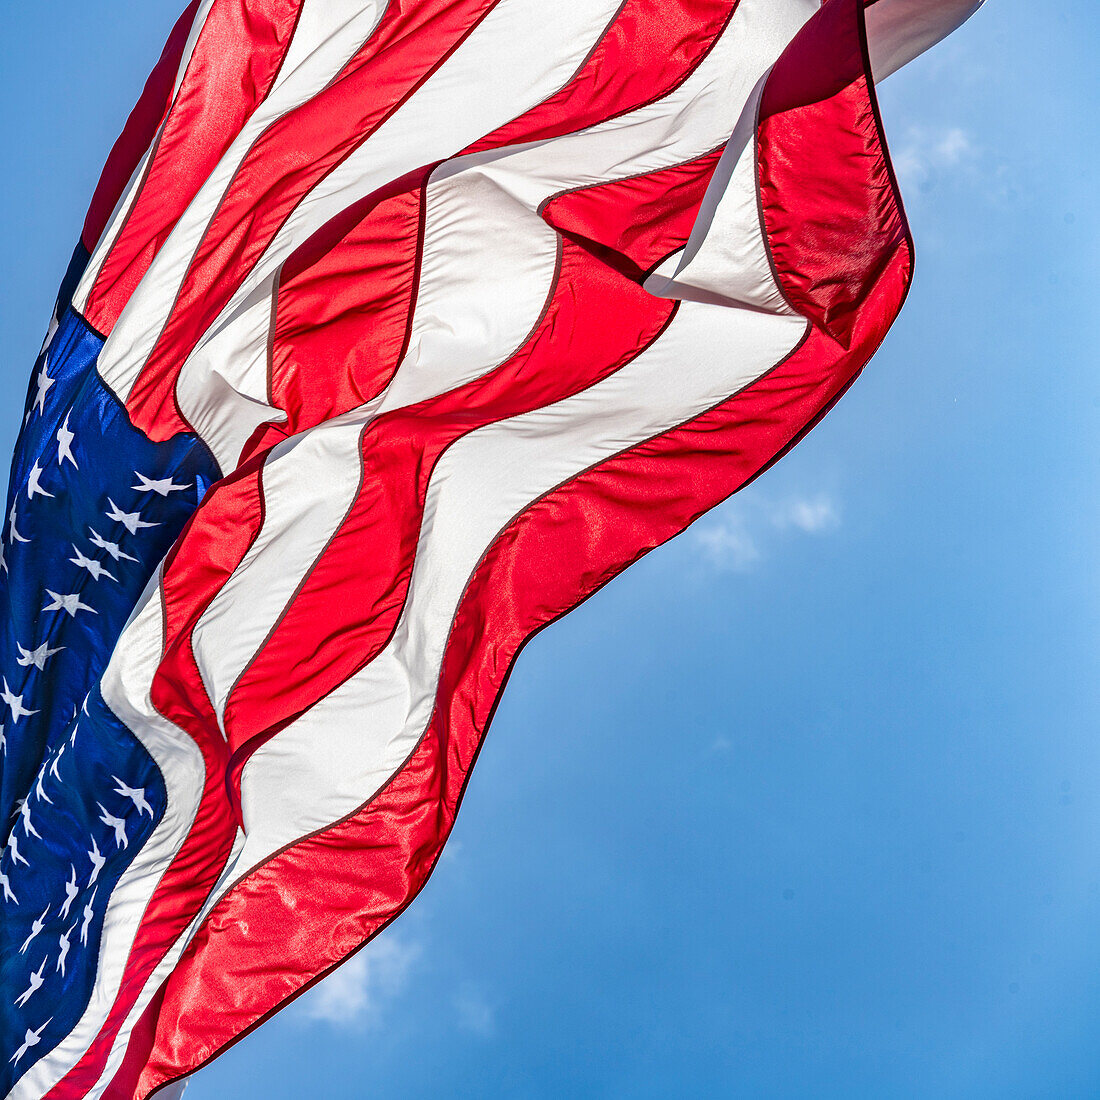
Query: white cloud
point(735, 538)
point(355, 994)
point(474, 1013)
point(930, 152)
point(813, 515)
point(727, 544)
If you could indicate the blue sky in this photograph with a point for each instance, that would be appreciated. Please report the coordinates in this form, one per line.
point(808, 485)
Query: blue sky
point(806, 804)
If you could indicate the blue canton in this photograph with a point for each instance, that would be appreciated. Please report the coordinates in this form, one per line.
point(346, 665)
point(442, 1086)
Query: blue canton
point(93, 506)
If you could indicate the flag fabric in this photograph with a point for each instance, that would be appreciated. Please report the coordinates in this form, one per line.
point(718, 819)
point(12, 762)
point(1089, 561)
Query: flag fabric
point(394, 331)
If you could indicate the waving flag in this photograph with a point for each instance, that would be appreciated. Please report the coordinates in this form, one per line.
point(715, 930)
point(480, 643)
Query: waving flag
point(394, 331)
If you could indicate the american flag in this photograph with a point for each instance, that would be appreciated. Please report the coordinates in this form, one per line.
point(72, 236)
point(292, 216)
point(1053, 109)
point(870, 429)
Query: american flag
point(394, 331)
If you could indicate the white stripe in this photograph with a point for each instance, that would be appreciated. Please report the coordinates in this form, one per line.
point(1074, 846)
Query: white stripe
point(126, 689)
point(155, 981)
point(201, 15)
point(691, 120)
point(335, 26)
point(113, 228)
point(726, 260)
point(226, 391)
point(900, 30)
point(304, 500)
point(487, 269)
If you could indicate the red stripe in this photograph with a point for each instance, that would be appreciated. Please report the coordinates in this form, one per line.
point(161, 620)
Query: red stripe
point(276, 922)
point(825, 275)
point(137, 134)
point(341, 321)
point(633, 224)
point(124, 1084)
point(233, 66)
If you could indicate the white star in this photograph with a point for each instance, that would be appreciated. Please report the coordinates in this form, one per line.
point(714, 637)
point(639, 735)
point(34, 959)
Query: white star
point(132, 521)
point(38, 790)
point(112, 548)
point(36, 981)
point(15, 702)
point(34, 482)
point(13, 847)
point(72, 736)
point(37, 657)
point(64, 443)
point(69, 602)
point(31, 1039)
point(3, 742)
point(116, 823)
point(51, 328)
point(25, 813)
point(71, 890)
point(3, 559)
point(88, 914)
point(13, 534)
point(36, 927)
point(44, 383)
point(56, 761)
point(63, 943)
point(162, 486)
point(97, 861)
point(8, 895)
point(91, 565)
point(135, 794)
